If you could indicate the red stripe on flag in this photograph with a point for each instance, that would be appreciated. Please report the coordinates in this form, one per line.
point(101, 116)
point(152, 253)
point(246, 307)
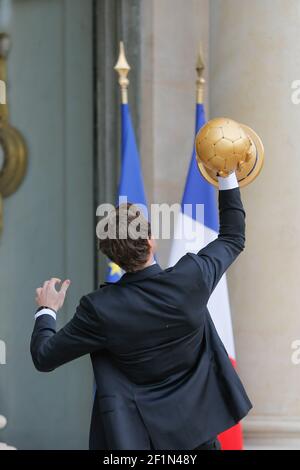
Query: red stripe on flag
point(232, 439)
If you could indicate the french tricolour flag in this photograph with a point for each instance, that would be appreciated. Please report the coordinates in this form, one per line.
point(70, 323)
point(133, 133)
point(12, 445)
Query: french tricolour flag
point(205, 229)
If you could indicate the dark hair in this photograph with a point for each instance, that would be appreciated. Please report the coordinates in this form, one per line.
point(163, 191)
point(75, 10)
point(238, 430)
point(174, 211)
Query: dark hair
point(129, 251)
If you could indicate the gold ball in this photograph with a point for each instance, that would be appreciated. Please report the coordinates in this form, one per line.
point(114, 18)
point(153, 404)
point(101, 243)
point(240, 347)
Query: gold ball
point(224, 146)
point(221, 145)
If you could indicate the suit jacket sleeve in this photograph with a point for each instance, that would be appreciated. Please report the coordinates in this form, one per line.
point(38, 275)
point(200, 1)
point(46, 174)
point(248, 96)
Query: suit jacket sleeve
point(218, 255)
point(82, 335)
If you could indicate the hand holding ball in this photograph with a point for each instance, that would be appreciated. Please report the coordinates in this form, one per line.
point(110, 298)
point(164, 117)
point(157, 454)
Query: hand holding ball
point(224, 146)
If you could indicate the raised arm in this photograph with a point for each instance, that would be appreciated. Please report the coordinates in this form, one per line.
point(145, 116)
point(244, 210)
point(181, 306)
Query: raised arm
point(218, 255)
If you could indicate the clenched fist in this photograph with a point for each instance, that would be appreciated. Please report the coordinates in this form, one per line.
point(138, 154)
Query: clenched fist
point(48, 296)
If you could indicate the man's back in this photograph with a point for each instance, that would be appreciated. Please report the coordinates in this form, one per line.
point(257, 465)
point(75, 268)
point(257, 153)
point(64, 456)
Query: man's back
point(173, 380)
point(161, 337)
point(154, 320)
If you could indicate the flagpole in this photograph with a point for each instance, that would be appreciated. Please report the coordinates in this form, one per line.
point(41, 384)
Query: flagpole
point(200, 82)
point(122, 68)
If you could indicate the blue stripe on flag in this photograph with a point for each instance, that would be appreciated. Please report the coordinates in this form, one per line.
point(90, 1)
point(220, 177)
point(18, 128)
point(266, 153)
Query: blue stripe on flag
point(197, 189)
point(131, 180)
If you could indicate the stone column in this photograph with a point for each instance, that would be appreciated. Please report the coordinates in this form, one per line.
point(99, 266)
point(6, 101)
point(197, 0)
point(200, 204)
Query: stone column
point(255, 57)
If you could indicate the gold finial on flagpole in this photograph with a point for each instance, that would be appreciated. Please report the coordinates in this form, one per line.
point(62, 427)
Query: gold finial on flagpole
point(122, 67)
point(200, 80)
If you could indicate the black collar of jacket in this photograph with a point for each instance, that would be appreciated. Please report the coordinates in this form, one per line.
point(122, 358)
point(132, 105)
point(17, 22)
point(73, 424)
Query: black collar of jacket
point(150, 271)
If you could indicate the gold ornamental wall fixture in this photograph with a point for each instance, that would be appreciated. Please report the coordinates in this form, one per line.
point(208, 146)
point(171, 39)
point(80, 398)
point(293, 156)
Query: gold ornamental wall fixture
point(13, 151)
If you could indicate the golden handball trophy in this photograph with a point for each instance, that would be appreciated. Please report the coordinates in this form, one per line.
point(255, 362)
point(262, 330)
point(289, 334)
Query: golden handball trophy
point(224, 146)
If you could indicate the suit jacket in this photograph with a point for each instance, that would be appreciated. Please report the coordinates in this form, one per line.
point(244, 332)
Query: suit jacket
point(164, 379)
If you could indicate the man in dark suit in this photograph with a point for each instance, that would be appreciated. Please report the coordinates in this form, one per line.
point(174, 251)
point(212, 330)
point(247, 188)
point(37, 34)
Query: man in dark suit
point(164, 379)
